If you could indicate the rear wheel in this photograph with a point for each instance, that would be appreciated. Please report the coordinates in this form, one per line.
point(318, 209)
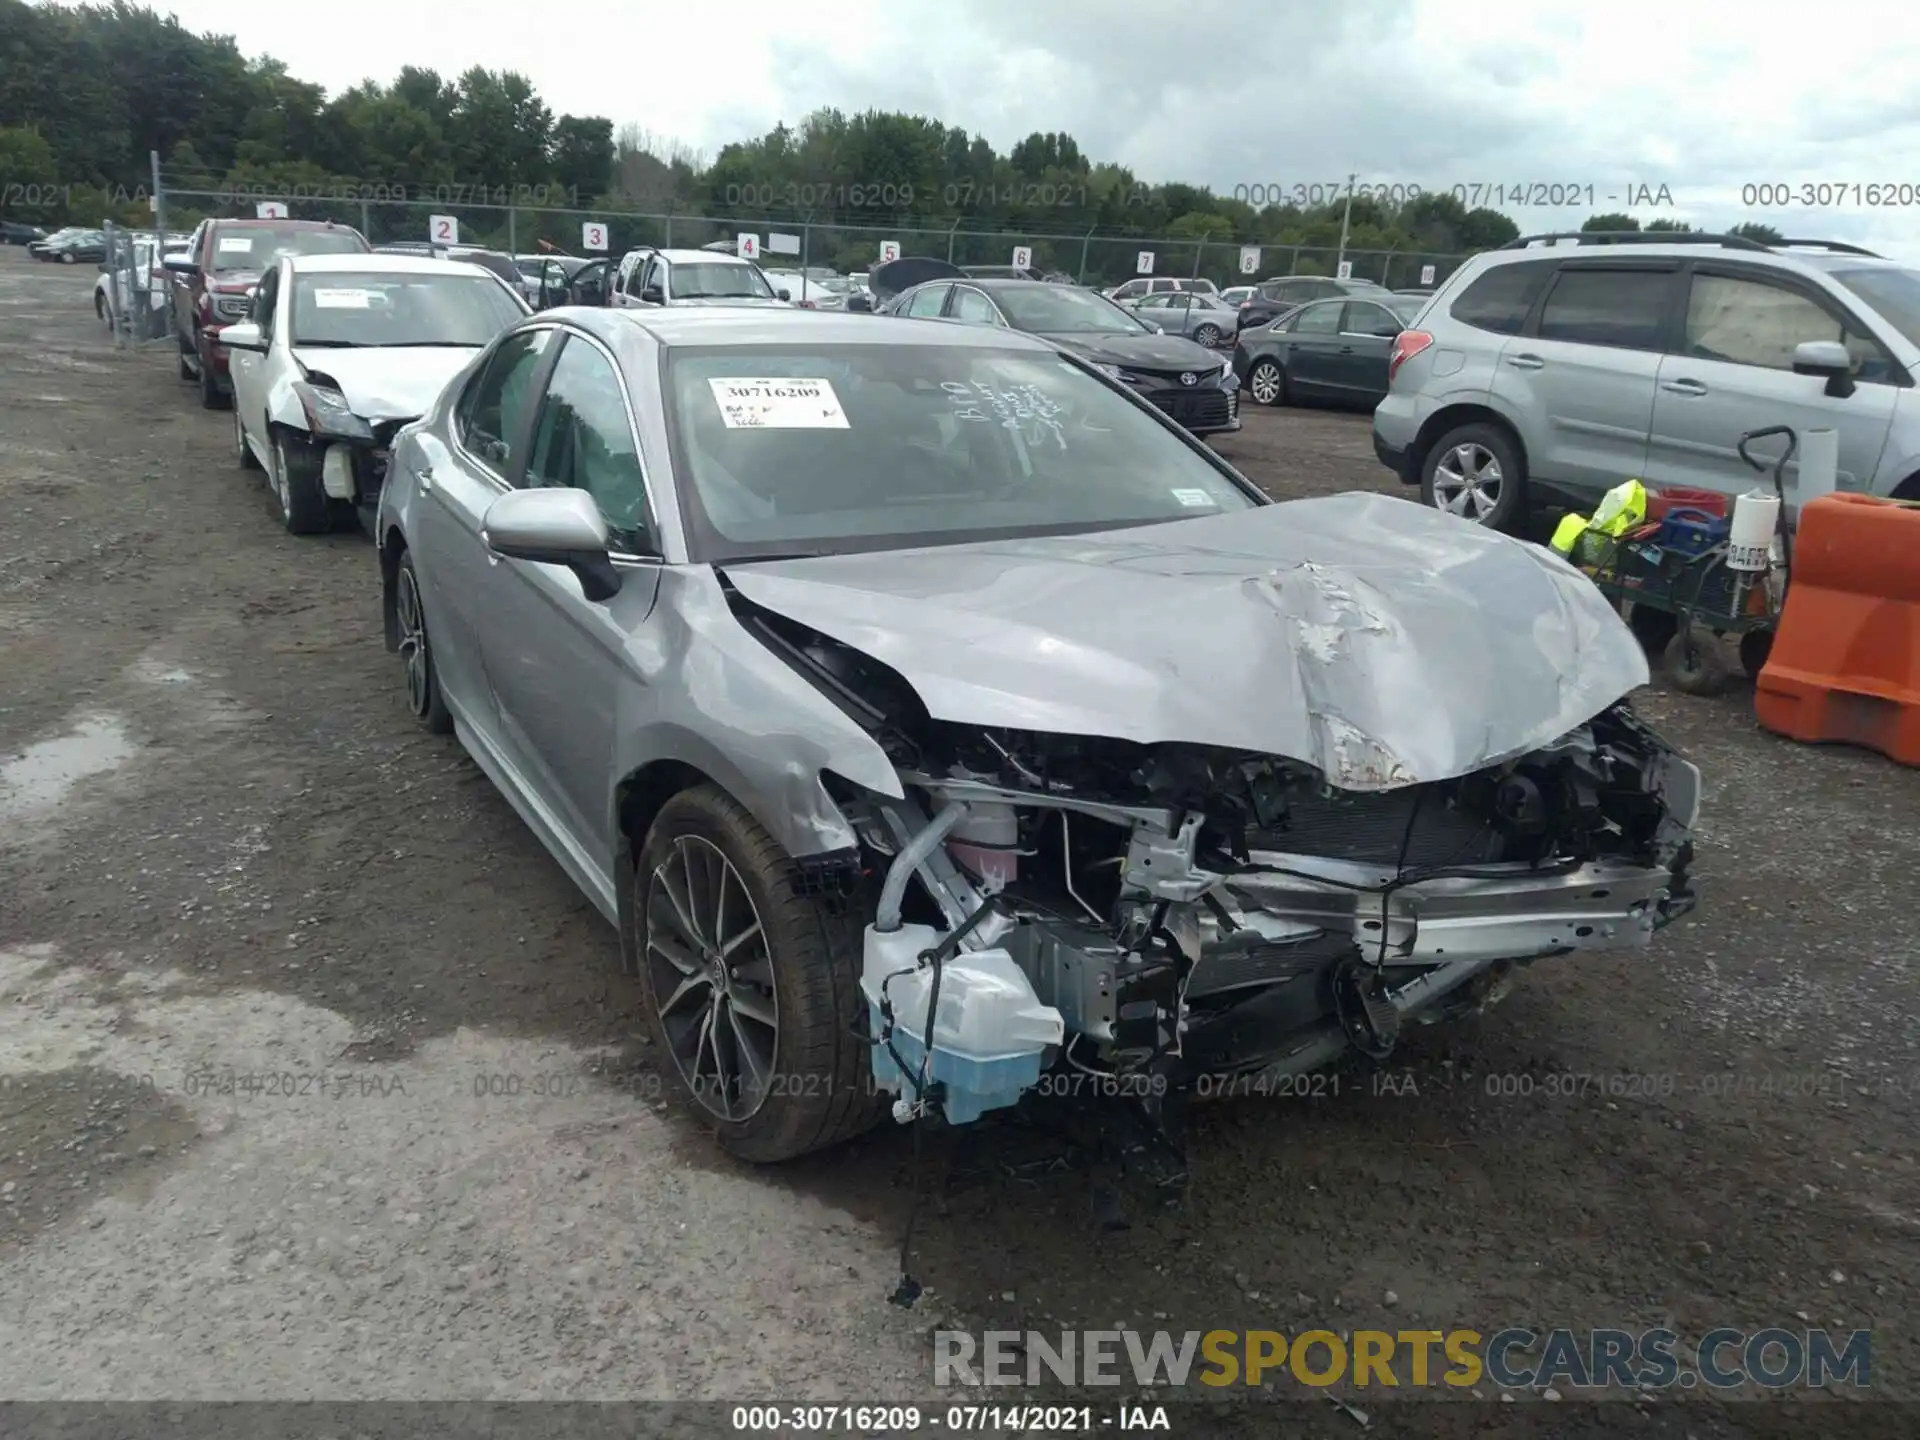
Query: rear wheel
point(424, 699)
point(1208, 335)
point(296, 484)
point(1475, 472)
point(751, 987)
point(243, 452)
point(100, 308)
point(1267, 382)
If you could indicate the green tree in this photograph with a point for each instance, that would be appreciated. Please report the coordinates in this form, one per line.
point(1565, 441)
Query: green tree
point(1753, 230)
point(1596, 224)
point(32, 175)
point(1670, 227)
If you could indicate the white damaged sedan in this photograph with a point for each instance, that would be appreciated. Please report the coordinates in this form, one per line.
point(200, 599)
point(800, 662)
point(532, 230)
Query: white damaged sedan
point(338, 353)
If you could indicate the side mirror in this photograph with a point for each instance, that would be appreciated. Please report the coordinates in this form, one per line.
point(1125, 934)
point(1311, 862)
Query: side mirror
point(861, 303)
point(1828, 358)
point(650, 294)
point(244, 336)
point(554, 527)
point(784, 294)
point(180, 264)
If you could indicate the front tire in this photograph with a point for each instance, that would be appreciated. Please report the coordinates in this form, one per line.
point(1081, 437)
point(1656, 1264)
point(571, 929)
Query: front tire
point(296, 484)
point(67, 259)
point(1267, 382)
point(1207, 335)
point(425, 700)
point(212, 397)
point(752, 988)
point(1475, 472)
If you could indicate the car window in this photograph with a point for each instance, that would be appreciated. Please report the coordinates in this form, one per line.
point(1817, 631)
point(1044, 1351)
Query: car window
point(1749, 322)
point(1500, 298)
point(1152, 302)
point(1621, 309)
point(256, 247)
point(1129, 290)
point(1363, 317)
point(1322, 319)
point(1892, 290)
point(929, 301)
point(970, 305)
point(1159, 286)
point(829, 447)
point(493, 412)
point(583, 440)
point(367, 309)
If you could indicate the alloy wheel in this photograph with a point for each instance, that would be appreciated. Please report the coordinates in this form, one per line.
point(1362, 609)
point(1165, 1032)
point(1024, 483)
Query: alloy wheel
point(1208, 335)
point(1467, 482)
point(413, 642)
point(711, 975)
point(1265, 382)
point(279, 478)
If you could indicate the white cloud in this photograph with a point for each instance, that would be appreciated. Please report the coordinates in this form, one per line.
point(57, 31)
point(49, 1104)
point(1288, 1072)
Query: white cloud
point(1699, 96)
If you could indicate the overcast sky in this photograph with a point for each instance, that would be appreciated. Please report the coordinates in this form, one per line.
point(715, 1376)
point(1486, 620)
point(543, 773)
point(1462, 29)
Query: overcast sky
point(1695, 95)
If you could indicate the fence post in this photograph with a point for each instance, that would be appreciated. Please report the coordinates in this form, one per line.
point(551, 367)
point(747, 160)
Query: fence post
point(1198, 251)
point(670, 208)
point(806, 250)
point(950, 230)
point(366, 221)
point(513, 229)
point(1085, 241)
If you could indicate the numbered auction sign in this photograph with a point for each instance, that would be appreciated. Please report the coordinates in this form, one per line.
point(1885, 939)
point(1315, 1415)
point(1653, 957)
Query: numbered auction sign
point(593, 235)
point(443, 230)
point(1143, 263)
point(1344, 270)
point(1249, 259)
point(270, 210)
point(1022, 257)
point(748, 246)
point(1426, 274)
point(889, 251)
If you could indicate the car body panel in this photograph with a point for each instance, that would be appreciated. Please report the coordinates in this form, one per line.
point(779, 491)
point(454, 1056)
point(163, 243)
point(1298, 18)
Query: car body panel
point(1367, 637)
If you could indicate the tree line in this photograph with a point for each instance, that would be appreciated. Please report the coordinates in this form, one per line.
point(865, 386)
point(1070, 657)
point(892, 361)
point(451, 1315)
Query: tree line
point(88, 92)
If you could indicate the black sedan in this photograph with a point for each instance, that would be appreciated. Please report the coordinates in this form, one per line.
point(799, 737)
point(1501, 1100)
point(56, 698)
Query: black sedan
point(14, 232)
point(71, 247)
point(1331, 350)
point(1185, 381)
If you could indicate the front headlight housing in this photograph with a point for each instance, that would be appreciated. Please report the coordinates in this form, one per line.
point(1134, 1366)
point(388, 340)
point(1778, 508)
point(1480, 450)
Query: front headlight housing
point(329, 416)
point(232, 307)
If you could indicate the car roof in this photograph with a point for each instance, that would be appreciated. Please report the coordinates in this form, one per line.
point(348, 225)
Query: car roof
point(255, 222)
point(379, 264)
point(722, 326)
point(703, 257)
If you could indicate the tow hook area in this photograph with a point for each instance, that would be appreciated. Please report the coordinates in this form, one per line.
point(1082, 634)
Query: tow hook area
point(1367, 1013)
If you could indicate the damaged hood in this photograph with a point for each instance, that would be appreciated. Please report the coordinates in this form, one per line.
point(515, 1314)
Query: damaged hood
point(389, 384)
point(1381, 641)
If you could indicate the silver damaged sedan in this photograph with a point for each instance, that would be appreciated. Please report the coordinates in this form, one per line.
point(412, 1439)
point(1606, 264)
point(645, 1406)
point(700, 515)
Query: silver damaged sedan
point(933, 717)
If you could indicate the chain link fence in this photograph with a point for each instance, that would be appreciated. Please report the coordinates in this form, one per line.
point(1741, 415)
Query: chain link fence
point(520, 222)
point(135, 300)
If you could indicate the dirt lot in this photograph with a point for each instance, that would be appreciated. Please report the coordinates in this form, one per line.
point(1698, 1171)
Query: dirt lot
point(225, 850)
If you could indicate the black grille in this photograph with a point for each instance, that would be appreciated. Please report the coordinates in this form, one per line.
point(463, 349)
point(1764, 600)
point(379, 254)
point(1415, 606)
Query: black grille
point(1205, 404)
point(1372, 828)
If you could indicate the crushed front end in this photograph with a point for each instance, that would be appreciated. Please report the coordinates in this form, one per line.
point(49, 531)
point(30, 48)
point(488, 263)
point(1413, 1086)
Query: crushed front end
point(1147, 915)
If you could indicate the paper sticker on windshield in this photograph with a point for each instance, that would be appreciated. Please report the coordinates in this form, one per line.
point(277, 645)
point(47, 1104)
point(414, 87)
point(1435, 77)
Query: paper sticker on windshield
point(1199, 499)
point(340, 299)
point(777, 403)
point(235, 242)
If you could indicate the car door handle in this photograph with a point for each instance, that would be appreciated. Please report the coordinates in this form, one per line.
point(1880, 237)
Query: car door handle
point(423, 474)
point(1684, 387)
point(1346, 349)
point(1525, 362)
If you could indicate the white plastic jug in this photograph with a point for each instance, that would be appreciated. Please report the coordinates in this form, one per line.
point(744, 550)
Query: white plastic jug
point(1750, 537)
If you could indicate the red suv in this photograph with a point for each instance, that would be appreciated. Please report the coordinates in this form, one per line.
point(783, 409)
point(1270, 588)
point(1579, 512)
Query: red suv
point(213, 285)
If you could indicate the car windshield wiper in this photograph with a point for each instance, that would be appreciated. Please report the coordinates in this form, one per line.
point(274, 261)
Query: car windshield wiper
point(328, 345)
point(780, 555)
point(418, 344)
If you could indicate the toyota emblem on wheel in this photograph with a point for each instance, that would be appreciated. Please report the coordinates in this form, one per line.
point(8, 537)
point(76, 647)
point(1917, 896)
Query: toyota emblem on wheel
point(1188, 378)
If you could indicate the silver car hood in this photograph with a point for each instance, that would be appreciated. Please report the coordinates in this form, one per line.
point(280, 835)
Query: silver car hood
point(1381, 641)
point(389, 384)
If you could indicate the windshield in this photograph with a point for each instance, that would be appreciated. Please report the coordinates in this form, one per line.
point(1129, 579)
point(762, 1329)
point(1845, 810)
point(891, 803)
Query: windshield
point(257, 246)
point(1057, 310)
point(880, 447)
point(351, 308)
point(1895, 293)
point(704, 281)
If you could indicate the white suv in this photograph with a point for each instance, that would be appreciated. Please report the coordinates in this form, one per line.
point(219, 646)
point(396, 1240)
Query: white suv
point(1543, 374)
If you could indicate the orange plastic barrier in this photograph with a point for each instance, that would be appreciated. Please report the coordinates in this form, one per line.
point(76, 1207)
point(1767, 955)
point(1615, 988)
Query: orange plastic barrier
point(1845, 663)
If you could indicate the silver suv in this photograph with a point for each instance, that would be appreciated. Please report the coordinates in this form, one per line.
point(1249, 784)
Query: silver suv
point(1543, 374)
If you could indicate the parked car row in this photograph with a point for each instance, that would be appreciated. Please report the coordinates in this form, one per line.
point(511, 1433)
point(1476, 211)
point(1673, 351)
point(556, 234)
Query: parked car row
point(845, 662)
point(1542, 374)
point(71, 246)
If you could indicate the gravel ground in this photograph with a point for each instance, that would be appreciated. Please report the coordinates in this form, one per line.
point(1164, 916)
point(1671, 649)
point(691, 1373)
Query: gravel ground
point(225, 850)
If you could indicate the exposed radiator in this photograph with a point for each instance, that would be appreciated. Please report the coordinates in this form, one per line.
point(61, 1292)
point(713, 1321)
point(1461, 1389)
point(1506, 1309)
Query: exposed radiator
point(1372, 828)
